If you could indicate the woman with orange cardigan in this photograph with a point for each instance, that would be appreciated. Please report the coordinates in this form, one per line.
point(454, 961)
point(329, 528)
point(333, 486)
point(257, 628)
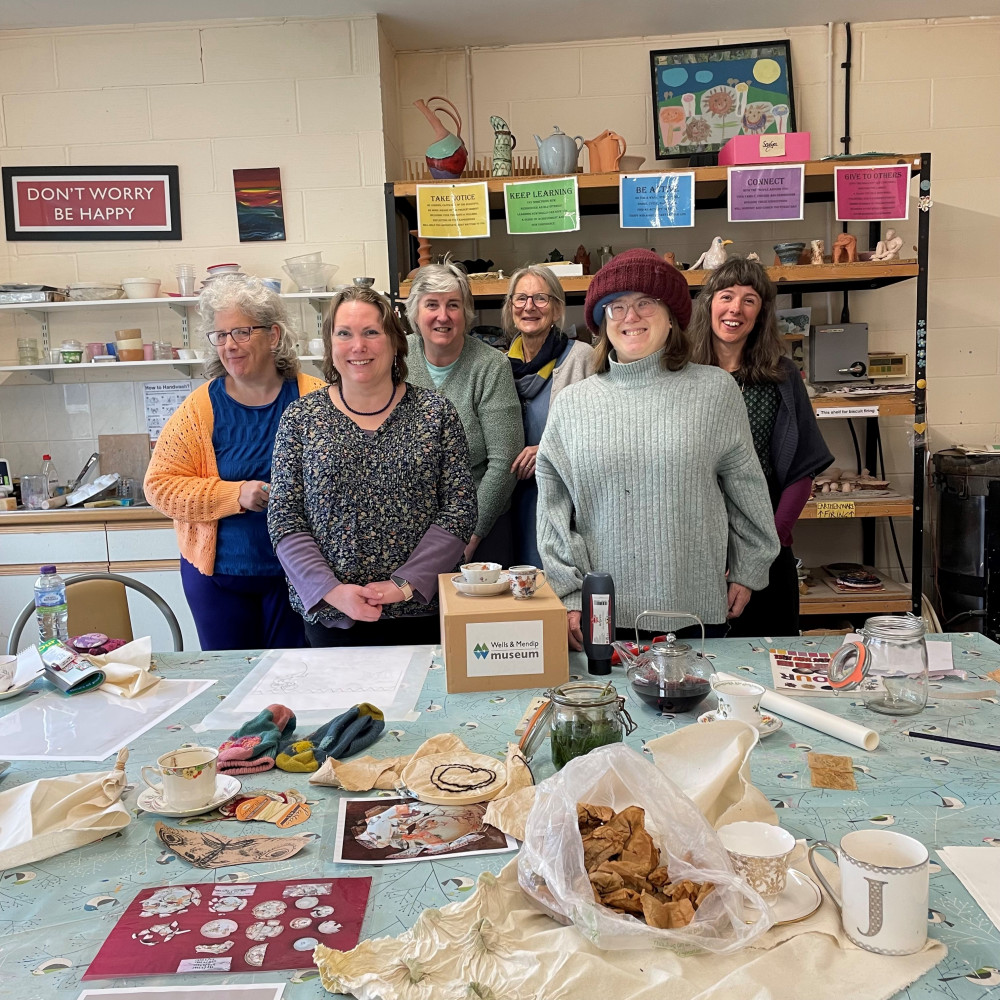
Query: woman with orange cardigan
point(211, 469)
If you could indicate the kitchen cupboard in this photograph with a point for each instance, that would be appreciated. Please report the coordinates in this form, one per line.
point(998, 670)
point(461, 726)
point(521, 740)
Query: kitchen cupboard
point(599, 194)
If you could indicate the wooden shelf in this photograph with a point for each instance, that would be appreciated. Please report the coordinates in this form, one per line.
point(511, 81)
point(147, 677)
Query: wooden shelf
point(891, 404)
point(822, 599)
point(858, 507)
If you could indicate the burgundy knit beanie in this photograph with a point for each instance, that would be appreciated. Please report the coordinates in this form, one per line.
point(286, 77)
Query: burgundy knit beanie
point(638, 271)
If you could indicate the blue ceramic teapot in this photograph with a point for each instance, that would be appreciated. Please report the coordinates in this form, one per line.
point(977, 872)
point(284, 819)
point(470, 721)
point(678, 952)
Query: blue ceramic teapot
point(558, 153)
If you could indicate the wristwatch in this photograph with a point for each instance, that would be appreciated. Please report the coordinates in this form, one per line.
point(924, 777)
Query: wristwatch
point(403, 586)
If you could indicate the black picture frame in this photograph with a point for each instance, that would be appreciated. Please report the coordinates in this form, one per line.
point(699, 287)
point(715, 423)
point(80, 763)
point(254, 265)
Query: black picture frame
point(117, 177)
point(712, 88)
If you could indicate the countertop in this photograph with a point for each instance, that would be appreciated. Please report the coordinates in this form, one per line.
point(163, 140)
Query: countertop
point(80, 515)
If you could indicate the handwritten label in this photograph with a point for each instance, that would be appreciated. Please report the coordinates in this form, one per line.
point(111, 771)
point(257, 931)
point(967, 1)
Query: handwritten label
point(234, 890)
point(772, 145)
point(834, 508)
point(205, 965)
point(825, 412)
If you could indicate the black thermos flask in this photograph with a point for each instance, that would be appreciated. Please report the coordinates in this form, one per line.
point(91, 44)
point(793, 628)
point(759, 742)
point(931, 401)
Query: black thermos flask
point(597, 621)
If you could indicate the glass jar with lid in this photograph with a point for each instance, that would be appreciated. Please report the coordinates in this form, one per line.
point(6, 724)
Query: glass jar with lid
point(585, 715)
point(887, 665)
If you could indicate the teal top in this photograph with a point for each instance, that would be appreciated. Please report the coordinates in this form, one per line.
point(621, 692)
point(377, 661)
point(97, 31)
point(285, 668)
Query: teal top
point(481, 387)
point(438, 375)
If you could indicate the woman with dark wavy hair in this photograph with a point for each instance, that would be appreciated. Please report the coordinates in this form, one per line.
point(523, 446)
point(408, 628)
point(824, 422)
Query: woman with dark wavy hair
point(211, 469)
point(734, 326)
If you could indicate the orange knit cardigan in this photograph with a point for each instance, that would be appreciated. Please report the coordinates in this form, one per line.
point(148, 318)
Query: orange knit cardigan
point(183, 482)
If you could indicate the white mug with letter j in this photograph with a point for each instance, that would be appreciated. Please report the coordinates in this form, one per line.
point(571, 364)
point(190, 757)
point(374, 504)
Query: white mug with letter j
point(525, 580)
point(883, 883)
point(187, 776)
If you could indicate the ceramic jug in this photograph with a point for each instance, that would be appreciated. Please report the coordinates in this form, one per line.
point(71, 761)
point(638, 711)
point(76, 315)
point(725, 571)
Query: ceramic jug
point(446, 155)
point(558, 153)
point(503, 143)
point(606, 151)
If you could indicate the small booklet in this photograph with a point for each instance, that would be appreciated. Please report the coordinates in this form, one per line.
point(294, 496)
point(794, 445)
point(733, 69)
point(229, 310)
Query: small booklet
point(69, 671)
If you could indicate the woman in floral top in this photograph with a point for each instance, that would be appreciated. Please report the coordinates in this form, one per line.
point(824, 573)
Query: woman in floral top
point(371, 491)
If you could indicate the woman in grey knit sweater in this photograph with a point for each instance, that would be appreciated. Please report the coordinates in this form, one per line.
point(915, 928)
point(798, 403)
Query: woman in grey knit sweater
point(477, 379)
point(647, 470)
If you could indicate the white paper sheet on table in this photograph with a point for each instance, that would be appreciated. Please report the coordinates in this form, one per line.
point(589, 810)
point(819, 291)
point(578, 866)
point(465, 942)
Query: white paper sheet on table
point(317, 684)
point(230, 991)
point(976, 869)
point(89, 726)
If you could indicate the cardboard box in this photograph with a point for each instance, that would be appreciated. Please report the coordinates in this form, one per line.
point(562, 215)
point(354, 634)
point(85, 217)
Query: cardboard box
point(771, 147)
point(501, 644)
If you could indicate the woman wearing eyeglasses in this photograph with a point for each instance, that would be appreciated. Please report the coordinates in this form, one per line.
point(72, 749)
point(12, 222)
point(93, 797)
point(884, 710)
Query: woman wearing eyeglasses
point(544, 361)
point(647, 470)
point(211, 469)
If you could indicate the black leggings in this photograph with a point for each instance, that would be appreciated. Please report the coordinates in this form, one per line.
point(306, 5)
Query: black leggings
point(775, 609)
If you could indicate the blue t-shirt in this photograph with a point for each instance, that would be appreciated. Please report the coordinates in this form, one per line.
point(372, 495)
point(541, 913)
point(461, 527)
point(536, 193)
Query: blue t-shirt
point(243, 439)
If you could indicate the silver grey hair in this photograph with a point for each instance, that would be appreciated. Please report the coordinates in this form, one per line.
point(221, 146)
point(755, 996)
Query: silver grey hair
point(261, 304)
point(555, 291)
point(440, 279)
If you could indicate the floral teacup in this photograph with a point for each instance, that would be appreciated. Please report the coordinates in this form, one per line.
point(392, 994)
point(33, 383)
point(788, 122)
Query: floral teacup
point(187, 777)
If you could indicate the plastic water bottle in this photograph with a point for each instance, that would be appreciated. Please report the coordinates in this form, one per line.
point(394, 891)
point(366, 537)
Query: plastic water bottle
point(50, 605)
point(50, 474)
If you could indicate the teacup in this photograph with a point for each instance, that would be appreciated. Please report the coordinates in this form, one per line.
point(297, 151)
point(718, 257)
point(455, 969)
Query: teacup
point(883, 882)
point(525, 580)
point(481, 572)
point(187, 776)
point(738, 700)
point(759, 852)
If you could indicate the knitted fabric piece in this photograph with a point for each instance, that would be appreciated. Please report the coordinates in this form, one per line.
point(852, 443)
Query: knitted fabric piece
point(359, 727)
point(183, 482)
point(481, 387)
point(666, 458)
point(253, 746)
point(639, 271)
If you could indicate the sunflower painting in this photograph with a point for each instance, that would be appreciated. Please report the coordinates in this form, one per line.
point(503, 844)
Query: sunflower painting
point(260, 213)
point(703, 97)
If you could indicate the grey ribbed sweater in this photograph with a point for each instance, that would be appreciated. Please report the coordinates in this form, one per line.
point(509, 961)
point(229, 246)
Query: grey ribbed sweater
point(481, 387)
point(651, 475)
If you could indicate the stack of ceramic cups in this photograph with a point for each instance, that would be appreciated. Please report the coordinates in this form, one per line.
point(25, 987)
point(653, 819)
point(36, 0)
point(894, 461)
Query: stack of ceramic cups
point(185, 278)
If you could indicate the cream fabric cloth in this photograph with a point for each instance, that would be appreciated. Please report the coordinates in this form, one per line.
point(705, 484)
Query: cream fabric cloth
point(500, 941)
point(46, 817)
point(127, 668)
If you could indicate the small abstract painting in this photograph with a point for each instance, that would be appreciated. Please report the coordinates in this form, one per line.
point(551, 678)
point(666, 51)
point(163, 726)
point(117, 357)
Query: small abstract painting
point(702, 97)
point(259, 210)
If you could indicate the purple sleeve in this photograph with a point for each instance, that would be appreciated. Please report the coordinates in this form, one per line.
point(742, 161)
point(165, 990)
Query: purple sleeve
point(437, 552)
point(793, 499)
point(307, 571)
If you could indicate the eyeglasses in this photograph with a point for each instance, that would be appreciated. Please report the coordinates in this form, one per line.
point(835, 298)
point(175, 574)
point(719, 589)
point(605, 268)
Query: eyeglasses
point(240, 334)
point(541, 300)
point(618, 309)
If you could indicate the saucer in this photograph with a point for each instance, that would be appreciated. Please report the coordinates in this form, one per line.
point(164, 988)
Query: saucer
point(768, 723)
point(18, 689)
point(481, 589)
point(226, 787)
point(800, 899)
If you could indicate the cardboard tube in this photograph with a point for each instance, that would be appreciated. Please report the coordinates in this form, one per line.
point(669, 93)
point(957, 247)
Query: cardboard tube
point(815, 718)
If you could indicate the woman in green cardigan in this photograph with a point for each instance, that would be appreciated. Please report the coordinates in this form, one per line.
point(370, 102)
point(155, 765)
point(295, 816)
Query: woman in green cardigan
point(477, 379)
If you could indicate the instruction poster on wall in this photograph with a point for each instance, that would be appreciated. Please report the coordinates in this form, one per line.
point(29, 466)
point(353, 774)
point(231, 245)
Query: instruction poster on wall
point(160, 399)
point(766, 194)
point(547, 206)
point(453, 211)
point(872, 194)
point(656, 201)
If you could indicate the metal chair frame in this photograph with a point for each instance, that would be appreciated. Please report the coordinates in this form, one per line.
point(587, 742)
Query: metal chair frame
point(161, 605)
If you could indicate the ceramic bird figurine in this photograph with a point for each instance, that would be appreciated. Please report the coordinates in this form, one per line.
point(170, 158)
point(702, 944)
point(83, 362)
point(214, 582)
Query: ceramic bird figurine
point(715, 256)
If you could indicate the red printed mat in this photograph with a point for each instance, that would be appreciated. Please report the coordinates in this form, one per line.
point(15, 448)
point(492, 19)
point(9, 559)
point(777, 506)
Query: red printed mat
point(236, 927)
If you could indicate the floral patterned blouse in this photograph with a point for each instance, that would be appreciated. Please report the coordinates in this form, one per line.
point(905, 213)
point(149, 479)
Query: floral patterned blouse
point(367, 498)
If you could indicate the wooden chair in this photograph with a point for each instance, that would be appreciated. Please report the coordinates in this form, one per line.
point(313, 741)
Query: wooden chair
point(98, 602)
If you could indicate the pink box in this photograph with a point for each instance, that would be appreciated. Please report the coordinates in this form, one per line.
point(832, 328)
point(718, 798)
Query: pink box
point(754, 148)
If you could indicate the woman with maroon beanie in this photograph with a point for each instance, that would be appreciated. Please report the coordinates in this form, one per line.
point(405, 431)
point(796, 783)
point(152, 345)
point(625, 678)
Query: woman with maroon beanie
point(647, 469)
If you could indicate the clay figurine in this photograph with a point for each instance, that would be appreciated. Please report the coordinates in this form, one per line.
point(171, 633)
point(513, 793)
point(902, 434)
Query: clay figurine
point(816, 251)
point(446, 155)
point(845, 249)
point(503, 143)
point(753, 255)
point(582, 257)
point(888, 249)
point(715, 256)
point(671, 258)
point(554, 256)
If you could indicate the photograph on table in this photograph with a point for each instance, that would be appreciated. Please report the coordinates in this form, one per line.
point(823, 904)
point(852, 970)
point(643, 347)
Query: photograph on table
point(378, 831)
point(703, 97)
point(236, 927)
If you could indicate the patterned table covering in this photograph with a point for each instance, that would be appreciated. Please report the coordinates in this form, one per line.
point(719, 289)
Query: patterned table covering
point(54, 915)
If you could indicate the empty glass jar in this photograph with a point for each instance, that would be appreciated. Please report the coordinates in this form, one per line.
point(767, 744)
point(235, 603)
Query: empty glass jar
point(887, 666)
